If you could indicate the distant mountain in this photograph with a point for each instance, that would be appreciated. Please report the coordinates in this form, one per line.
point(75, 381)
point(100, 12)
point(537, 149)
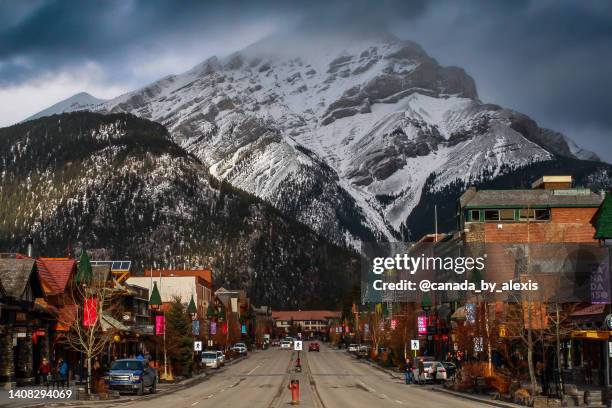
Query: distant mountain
point(79, 102)
point(120, 187)
point(343, 132)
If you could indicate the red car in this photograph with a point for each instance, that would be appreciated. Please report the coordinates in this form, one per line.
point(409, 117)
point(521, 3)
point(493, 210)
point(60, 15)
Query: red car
point(313, 346)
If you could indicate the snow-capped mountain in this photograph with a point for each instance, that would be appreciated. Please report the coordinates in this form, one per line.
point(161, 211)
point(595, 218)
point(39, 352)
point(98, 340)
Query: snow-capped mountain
point(79, 102)
point(341, 132)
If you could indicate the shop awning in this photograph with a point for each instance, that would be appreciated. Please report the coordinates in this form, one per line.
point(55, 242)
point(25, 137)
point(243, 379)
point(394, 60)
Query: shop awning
point(591, 310)
point(591, 334)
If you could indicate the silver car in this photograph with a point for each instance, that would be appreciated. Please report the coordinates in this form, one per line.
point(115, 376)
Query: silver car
point(211, 359)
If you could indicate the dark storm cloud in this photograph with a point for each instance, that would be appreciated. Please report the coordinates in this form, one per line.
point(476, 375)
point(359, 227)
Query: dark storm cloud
point(549, 59)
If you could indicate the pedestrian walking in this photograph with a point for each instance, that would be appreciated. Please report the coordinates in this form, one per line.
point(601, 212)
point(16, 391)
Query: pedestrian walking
point(44, 371)
point(421, 367)
point(62, 370)
point(409, 375)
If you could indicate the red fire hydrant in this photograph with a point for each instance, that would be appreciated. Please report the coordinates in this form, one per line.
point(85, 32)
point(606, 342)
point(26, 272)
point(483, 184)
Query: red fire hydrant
point(294, 386)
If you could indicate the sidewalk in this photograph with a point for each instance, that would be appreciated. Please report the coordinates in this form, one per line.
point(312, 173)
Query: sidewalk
point(484, 399)
point(162, 389)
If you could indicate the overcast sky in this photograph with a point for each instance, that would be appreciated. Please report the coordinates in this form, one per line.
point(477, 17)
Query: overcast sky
point(550, 59)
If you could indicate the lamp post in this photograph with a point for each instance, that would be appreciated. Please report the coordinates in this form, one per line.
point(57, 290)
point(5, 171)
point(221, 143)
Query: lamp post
point(193, 313)
point(426, 306)
point(155, 304)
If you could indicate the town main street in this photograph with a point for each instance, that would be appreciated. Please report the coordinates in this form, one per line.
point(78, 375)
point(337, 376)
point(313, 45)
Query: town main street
point(330, 378)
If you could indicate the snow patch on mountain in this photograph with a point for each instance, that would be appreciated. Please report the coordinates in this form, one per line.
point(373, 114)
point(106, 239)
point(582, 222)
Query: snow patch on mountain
point(340, 133)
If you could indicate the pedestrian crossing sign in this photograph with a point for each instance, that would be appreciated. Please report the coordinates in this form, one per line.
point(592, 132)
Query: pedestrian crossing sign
point(414, 344)
point(197, 346)
point(297, 345)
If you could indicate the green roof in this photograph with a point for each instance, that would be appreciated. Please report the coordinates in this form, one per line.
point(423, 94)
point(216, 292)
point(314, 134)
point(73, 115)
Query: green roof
point(191, 309)
point(603, 219)
point(155, 296)
point(84, 271)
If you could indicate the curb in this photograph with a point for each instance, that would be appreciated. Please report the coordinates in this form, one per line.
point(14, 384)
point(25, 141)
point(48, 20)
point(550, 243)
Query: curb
point(494, 403)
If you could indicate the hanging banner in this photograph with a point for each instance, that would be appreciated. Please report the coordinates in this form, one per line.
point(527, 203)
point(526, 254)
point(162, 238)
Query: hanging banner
point(366, 328)
point(213, 328)
point(195, 327)
point(160, 325)
point(393, 324)
point(243, 329)
point(600, 283)
point(90, 312)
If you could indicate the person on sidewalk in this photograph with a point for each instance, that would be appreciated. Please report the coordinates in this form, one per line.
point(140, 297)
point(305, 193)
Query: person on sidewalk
point(421, 366)
point(409, 375)
point(44, 371)
point(62, 370)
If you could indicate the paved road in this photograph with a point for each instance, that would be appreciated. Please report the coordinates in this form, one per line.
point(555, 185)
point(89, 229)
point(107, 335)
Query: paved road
point(329, 379)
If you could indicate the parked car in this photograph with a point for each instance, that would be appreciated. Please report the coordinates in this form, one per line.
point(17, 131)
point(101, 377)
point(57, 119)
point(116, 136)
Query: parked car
point(211, 359)
point(428, 373)
point(221, 357)
point(352, 348)
point(363, 350)
point(132, 375)
point(314, 346)
point(285, 344)
point(275, 343)
point(240, 348)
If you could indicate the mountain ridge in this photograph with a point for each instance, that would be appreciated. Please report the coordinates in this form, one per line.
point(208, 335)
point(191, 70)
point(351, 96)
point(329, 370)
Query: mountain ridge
point(356, 124)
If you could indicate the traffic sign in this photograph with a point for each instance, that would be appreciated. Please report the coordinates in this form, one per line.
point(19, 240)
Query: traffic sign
point(414, 344)
point(197, 346)
point(297, 345)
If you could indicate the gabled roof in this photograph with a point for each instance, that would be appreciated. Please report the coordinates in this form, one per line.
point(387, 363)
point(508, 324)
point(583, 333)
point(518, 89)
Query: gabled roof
point(535, 198)
point(56, 272)
point(15, 274)
point(602, 221)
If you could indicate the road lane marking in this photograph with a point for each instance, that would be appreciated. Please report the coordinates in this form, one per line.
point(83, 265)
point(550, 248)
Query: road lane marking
point(251, 372)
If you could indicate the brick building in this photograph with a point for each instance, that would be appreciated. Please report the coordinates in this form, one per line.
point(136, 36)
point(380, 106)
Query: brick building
point(551, 212)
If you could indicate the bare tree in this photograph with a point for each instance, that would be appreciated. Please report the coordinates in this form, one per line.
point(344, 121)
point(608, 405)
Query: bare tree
point(92, 301)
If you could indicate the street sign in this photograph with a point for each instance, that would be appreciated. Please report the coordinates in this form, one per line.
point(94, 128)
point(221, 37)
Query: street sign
point(197, 346)
point(414, 345)
point(297, 345)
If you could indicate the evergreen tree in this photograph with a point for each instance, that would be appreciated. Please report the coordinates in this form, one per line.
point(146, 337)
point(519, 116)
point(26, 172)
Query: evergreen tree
point(179, 342)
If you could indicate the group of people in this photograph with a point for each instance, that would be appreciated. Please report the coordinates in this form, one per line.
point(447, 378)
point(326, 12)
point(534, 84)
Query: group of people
point(55, 376)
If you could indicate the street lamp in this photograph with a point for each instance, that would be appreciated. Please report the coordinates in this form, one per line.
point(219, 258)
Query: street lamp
point(155, 303)
point(426, 306)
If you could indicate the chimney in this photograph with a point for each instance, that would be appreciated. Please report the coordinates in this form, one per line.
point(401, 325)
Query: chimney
point(30, 247)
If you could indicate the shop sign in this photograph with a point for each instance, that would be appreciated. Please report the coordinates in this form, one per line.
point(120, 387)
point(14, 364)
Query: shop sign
point(422, 324)
point(600, 282)
point(478, 346)
point(21, 317)
point(213, 328)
